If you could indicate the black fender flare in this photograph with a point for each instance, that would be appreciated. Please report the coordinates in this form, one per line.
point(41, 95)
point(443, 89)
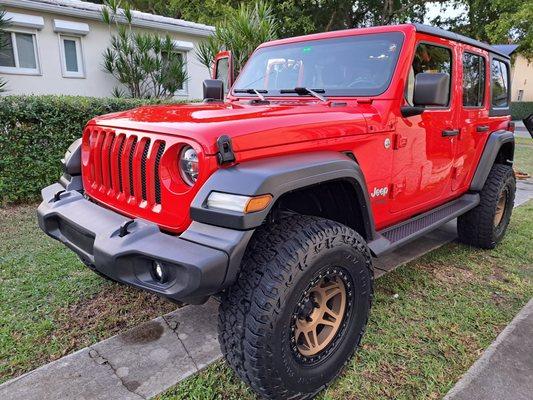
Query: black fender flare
point(277, 176)
point(492, 147)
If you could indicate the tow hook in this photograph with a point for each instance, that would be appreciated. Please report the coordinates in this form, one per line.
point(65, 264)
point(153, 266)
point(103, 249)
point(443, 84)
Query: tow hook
point(57, 196)
point(124, 228)
point(225, 150)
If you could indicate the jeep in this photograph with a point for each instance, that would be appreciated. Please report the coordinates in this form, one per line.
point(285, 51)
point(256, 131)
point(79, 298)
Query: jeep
point(276, 192)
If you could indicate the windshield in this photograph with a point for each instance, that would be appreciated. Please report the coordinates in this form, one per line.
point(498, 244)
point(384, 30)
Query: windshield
point(359, 65)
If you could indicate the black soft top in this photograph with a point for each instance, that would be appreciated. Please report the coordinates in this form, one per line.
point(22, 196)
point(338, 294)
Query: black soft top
point(431, 30)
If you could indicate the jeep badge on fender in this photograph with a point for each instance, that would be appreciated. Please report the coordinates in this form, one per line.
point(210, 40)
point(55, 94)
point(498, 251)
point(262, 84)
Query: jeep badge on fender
point(327, 152)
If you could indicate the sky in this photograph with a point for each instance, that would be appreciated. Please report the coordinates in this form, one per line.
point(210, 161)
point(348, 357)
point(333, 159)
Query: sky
point(433, 10)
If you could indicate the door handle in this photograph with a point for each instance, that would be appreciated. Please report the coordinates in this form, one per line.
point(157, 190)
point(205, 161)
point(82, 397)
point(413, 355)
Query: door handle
point(482, 128)
point(450, 132)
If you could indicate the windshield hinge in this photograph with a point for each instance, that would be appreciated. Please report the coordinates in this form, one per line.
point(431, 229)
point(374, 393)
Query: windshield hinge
point(225, 150)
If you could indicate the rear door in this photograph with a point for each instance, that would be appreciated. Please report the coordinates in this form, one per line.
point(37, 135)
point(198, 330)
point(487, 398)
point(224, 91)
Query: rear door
point(425, 144)
point(473, 115)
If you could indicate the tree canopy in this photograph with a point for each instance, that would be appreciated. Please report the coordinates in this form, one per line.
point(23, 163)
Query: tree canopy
point(493, 21)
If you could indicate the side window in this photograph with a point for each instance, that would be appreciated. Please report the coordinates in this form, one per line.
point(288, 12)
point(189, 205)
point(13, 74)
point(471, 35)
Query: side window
point(222, 71)
point(473, 80)
point(499, 84)
point(429, 59)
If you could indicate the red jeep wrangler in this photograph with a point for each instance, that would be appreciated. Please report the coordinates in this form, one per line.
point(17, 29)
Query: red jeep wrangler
point(329, 150)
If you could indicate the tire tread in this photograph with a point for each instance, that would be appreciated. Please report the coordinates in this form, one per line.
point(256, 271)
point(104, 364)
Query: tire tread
point(246, 309)
point(476, 227)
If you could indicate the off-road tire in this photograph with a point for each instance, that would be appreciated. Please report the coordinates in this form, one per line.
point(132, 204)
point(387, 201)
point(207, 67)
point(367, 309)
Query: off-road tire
point(255, 313)
point(477, 227)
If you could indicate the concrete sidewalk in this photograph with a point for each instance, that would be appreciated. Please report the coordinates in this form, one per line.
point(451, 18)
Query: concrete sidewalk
point(137, 364)
point(154, 356)
point(505, 370)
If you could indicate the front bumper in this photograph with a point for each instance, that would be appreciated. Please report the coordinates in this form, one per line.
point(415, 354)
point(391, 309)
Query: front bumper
point(196, 263)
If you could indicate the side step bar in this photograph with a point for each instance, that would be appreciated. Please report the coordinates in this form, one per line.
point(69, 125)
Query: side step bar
point(395, 236)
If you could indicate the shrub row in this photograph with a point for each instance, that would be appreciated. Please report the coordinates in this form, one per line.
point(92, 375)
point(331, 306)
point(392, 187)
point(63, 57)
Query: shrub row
point(35, 132)
point(521, 109)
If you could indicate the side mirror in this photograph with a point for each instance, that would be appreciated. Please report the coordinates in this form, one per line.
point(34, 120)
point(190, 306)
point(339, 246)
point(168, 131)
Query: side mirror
point(528, 122)
point(213, 90)
point(431, 89)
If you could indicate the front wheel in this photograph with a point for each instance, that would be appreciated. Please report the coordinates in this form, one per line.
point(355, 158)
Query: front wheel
point(484, 226)
point(299, 308)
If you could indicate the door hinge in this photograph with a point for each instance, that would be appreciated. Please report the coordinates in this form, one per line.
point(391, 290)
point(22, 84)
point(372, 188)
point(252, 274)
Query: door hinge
point(454, 172)
point(395, 189)
point(225, 150)
point(399, 141)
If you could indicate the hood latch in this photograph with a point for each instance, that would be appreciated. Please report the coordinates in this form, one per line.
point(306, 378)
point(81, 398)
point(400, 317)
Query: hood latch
point(225, 150)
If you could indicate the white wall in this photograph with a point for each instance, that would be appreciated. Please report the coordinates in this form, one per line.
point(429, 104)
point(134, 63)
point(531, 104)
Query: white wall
point(96, 82)
point(522, 78)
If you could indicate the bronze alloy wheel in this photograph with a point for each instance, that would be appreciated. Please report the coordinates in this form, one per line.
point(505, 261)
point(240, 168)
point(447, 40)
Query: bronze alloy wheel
point(500, 207)
point(320, 314)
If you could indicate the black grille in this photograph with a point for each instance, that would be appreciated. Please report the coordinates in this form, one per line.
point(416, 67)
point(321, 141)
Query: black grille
point(119, 159)
point(160, 151)
point(132, 152)
point(143, 168)
point(123, 140)
point(109, 159)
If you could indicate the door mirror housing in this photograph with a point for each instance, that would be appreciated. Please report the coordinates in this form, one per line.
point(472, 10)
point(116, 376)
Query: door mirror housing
point(431, 89)
point(213, 90)
point(411, 111)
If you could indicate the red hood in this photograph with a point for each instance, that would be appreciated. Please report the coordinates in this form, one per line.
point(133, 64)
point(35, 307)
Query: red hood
point(249, 126)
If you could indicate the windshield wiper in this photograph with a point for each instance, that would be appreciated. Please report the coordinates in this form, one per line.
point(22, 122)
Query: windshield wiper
point(257, 92)
point(301, 91)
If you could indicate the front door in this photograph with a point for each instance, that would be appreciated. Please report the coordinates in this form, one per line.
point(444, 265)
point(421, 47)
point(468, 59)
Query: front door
point(425, 144)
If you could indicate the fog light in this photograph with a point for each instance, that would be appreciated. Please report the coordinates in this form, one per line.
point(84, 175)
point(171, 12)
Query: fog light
point(158, 272)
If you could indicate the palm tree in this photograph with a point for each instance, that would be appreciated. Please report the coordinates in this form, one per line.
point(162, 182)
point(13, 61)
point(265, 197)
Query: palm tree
point(241, 31)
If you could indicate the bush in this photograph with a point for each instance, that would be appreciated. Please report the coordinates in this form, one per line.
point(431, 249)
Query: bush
point(35, 132)
point(521, 109)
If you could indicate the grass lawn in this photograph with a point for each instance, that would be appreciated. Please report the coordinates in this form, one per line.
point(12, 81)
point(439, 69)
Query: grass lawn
point(524, 155)
point(50, 303)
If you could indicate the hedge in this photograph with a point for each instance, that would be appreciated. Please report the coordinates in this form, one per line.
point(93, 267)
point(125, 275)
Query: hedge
point(521, 109)
point(35, 131)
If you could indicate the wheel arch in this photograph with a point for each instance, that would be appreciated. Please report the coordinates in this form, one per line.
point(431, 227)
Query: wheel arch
point(340, 200)
point(285, 178)
point(499, 149)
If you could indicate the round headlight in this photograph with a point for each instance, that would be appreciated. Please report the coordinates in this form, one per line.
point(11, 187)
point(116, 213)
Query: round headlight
point(188, 165)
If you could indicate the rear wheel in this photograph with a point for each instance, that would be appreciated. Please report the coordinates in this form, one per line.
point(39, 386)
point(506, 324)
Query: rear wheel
point(299, 308)
point(485, 225)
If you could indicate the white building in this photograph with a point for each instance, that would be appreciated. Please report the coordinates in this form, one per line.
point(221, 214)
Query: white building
point(57, 46)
